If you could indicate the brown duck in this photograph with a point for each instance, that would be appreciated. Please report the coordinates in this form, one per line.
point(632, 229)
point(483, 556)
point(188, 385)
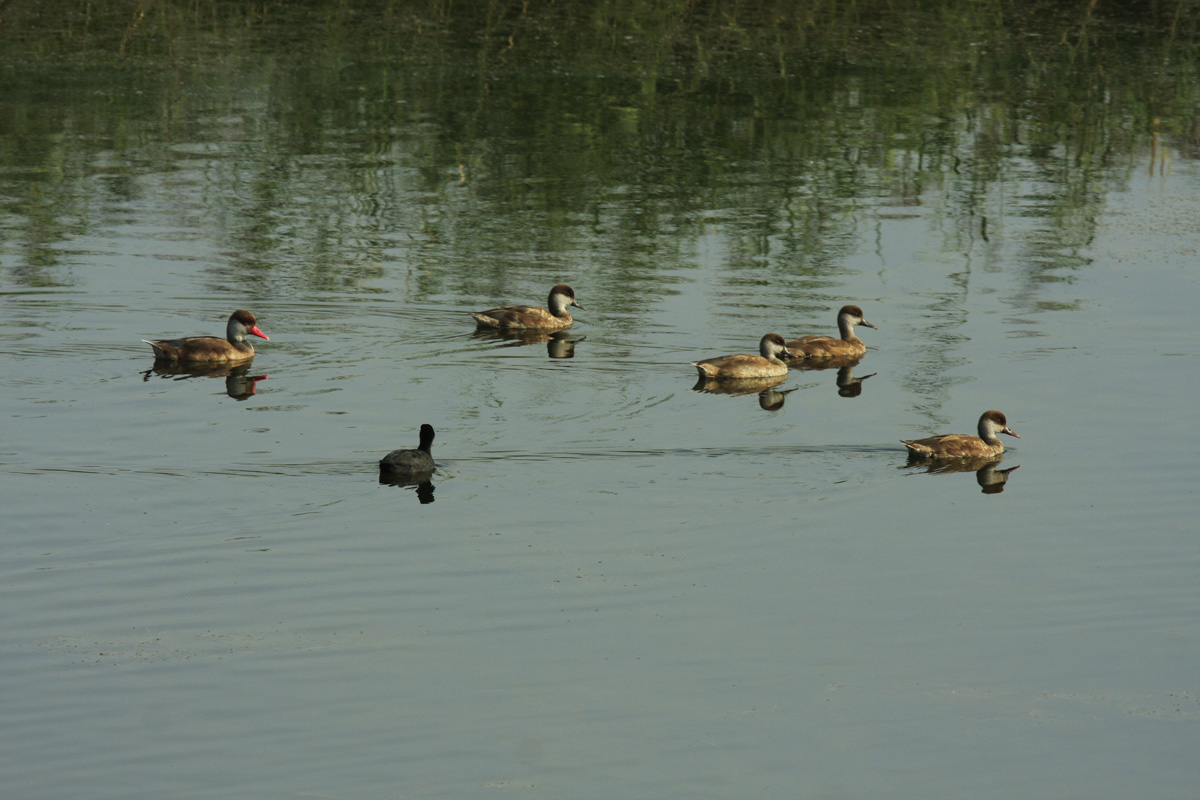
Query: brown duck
point(533, 318)
point(961, 445)
point(211, 349)
point(849, 346)
point(747, 365)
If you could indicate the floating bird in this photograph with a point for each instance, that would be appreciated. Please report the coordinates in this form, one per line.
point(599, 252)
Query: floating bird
point(533, 317)
point(210, 349)
point(408, 463)
point(818, 347)
point(961, 445)
point(746, 365)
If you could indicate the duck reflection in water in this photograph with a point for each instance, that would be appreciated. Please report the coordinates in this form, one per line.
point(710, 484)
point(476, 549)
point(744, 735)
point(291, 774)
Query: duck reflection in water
point(559, 344)
point(769, 398)
point(411, 467)
point(239, 384)
point(847, 384)
point(990, 479)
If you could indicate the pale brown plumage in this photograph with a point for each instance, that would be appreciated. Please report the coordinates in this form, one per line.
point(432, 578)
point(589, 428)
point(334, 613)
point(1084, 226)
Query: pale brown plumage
point(746, 365)
point(210, 349)
point(823, 347)
point(556, 318)
point(961, 445)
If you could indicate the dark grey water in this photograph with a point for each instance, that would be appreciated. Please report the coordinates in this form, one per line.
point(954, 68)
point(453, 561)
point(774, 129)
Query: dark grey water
point(623, 587)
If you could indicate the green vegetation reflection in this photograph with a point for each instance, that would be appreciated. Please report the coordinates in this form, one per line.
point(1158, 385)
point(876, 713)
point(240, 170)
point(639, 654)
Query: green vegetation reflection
point(780, 122)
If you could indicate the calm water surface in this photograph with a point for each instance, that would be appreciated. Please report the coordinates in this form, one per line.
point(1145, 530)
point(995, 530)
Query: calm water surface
point(623, 587)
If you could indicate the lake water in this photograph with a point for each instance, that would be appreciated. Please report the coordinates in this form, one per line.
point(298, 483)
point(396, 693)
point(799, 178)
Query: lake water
point(617, 585)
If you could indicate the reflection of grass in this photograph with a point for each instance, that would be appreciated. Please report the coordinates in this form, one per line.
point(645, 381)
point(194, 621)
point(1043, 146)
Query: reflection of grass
point(792, 122)
point(165, 647)
point(1049, 305)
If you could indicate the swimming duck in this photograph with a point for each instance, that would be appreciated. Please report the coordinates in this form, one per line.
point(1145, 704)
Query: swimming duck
point(960, 445)
point(849, 345)
point(210, 349)
point(402, 463)
point(533, 317)
point(745, 365)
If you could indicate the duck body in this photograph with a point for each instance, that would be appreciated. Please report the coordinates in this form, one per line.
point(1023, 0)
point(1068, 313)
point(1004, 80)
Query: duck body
point(211, 349)
point(961, 445)
point(405, 463)
point(746, 365)
point(533, 318)
point(819, 347)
